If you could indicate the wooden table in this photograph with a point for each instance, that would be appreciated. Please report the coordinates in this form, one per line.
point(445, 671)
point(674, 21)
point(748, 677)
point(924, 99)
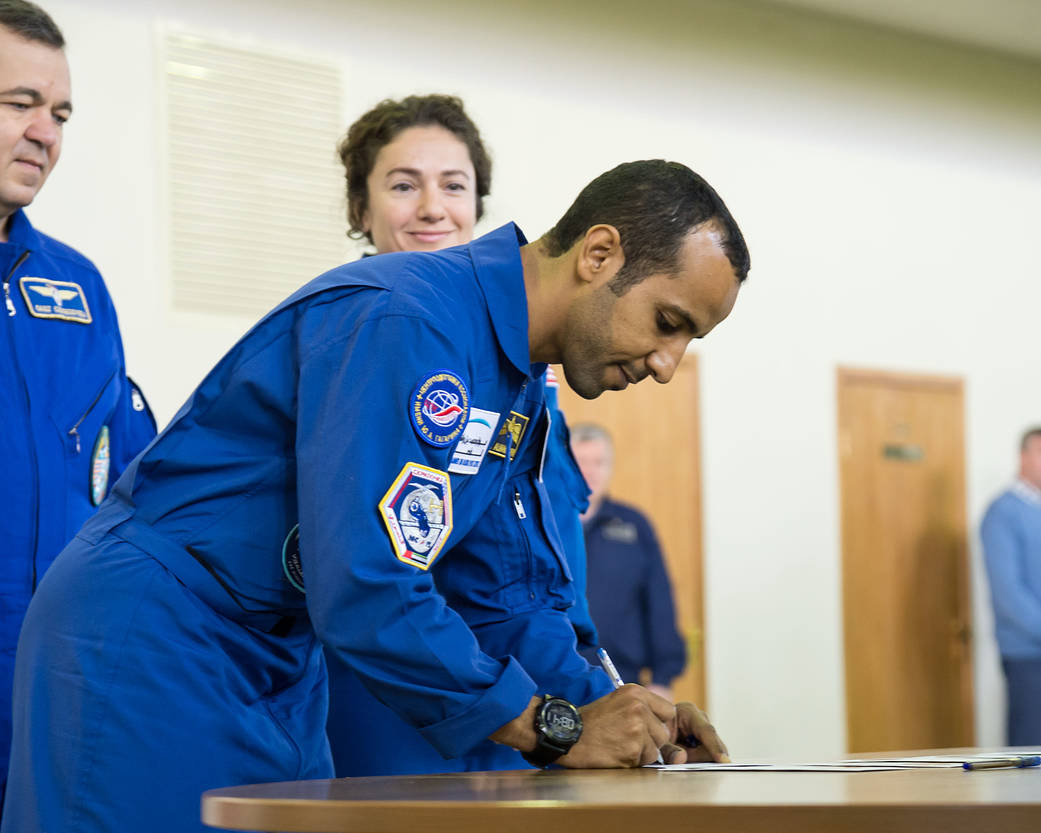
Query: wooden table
point(634, 801)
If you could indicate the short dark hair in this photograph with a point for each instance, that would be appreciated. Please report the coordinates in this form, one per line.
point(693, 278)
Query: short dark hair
point(654, 204)
point(1029, 434)
point(30, 22)
point(382, 124)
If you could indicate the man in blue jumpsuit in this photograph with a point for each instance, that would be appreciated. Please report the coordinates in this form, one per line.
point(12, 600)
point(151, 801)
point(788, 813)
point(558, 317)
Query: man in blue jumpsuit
point(71, 418)
point(383, 421)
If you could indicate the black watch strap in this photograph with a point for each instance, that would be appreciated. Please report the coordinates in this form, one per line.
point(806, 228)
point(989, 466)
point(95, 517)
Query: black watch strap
point(544, 753)
point(547, 748)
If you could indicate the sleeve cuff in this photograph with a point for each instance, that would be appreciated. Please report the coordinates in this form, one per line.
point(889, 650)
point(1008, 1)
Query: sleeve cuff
point(494, 709)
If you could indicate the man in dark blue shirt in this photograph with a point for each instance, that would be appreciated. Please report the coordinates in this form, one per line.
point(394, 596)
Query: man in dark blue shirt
point(628, 588)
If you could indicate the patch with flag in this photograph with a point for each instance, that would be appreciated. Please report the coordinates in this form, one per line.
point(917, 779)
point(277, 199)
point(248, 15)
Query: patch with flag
point(63, 300)
point(510, 435)
point(469, 452)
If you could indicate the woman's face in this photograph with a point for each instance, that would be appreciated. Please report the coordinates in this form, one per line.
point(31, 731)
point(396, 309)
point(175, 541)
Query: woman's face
point(422, 192)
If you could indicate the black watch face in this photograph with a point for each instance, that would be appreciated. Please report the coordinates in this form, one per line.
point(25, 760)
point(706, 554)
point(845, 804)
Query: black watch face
point(562, 721)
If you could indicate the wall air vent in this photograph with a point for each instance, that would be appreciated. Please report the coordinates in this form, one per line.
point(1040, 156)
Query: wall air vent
point(254, 188)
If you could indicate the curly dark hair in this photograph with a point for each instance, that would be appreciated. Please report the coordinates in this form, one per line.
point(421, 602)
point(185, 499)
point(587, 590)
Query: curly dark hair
point(382, 124)
point(29, 21)
point(654, 204)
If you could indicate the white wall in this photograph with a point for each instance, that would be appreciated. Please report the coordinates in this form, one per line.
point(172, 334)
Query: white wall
point(887, 186)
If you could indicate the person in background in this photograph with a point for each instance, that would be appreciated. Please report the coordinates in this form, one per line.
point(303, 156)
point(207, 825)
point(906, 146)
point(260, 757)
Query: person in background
point(630, 596)
point(1011, 533)
point(72, 420)
point(417, 174)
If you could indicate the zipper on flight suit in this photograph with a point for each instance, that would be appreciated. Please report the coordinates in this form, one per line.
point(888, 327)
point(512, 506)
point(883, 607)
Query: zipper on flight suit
point(518, 505)
point(11, 311)
point(509, 448)
point(73, 432)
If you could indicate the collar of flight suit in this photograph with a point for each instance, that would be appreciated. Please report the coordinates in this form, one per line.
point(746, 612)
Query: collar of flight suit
point(500, 274)
point(21, 232)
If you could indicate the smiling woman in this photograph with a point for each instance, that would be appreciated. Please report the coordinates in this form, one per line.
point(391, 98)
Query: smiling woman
point(417, 174)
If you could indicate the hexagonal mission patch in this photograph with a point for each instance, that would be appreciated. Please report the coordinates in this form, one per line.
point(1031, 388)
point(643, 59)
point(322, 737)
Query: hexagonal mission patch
point(417, 511)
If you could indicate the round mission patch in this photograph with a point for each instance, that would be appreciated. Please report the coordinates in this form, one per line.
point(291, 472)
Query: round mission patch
point(439, 407)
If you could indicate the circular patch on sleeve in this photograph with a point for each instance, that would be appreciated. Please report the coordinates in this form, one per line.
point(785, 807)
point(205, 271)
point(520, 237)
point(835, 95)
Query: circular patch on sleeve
point(100, 460)
point(291, 564)
point(439, 407)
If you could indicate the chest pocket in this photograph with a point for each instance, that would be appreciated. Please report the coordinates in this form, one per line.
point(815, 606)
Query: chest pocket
point(511, 561)
point(562, 475)
point(82, 420)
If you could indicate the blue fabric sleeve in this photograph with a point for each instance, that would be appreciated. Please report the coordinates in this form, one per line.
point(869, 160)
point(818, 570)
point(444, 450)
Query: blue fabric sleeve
point(1016, 608)
point(543, 642)
point(384, 617)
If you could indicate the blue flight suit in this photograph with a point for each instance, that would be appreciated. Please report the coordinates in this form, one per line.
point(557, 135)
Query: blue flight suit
point(367, 738)
point(171, 642)
point(72, 421)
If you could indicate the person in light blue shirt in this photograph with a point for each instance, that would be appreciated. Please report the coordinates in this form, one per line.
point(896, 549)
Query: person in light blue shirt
point(1011, 533)
point(318, 490)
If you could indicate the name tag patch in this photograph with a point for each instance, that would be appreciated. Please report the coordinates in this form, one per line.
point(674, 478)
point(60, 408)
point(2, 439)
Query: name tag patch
point(417, 510)
point(510, 435)
point(621, 531)
point(63, 300)
point(439, 407)
point(473, 445)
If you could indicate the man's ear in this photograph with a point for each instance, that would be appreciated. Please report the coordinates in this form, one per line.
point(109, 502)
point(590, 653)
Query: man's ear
point(600, 254)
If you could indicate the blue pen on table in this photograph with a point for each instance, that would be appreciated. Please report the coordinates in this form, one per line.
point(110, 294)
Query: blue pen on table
point(616, 678)
point(1011, 762)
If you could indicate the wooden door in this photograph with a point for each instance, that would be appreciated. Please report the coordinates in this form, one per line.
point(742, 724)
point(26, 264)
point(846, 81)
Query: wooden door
point(658, 469)
point(905, 570)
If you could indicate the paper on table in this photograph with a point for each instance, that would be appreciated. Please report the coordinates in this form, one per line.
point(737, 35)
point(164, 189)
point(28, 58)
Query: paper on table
point(947, 760)
point(776, 767)
point(851, 765)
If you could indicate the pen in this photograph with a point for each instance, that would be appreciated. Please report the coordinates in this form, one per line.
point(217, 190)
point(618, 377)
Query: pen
point(612, 672)
point(616, 678)
point(1012, 762)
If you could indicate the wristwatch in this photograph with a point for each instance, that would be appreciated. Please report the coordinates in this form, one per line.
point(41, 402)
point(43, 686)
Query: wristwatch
point(558, 726)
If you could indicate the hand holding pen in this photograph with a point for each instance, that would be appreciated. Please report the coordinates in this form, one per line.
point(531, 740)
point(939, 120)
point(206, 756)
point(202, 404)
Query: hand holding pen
point(692, 732)
point(616, 678)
